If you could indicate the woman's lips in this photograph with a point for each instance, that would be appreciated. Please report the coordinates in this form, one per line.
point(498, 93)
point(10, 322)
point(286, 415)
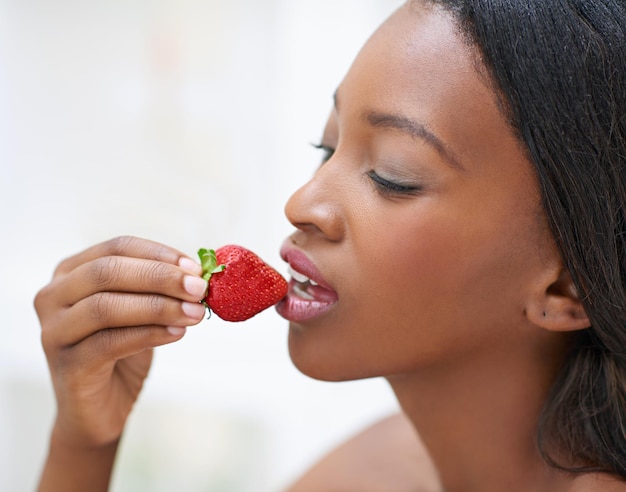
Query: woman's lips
point(309, 295)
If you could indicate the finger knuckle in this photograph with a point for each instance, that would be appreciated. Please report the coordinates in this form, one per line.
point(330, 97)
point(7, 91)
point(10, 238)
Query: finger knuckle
point(157, 274)
point(61, 267)
point(99, 306)
point(104, 271)
point(119, 245)
point(132, 246)
point(40, 300)
point(104, 342)
point(157, 306)
point(48, 319)
point(107, 343)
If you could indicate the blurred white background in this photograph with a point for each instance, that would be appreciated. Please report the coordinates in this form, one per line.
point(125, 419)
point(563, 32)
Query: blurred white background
point(186, 122)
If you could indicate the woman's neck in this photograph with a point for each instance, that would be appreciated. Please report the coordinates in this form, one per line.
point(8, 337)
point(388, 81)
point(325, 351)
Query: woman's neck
point(478, 418)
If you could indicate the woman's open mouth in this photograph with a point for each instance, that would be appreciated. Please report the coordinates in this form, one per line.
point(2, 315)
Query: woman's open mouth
point(309, 295)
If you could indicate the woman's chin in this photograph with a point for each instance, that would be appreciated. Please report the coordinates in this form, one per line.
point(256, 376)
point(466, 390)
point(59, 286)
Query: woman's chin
point(324, 361)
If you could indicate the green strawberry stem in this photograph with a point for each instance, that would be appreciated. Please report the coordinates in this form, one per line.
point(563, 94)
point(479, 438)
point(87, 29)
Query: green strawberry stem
point(208, 260)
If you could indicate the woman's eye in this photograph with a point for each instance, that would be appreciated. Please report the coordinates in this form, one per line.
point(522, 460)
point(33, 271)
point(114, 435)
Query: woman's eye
point(387, 187)
point(327, 151)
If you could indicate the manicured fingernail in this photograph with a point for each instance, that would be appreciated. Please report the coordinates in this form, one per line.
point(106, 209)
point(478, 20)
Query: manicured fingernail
point(190, 266)
point(194, 310)
point(177, 331)
point(195, 286)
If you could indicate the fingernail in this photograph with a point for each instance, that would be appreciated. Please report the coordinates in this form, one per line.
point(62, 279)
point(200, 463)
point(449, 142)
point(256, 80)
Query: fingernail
point(177, 331)
point(194, 310)
point(190, 266)
point(195, 286)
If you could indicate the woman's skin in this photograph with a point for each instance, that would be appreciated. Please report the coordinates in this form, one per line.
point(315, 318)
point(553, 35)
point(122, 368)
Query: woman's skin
point(449, 286)
point(437, 271)
point(101, 315)
point(386, 456)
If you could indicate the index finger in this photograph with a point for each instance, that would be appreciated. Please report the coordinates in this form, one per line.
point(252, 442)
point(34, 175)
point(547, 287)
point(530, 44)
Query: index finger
point(133, 247)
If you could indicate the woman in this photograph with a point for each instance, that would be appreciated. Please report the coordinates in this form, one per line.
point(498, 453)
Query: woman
point(465, 239)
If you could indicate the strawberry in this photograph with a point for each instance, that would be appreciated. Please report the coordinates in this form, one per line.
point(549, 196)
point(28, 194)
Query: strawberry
point(240, 283)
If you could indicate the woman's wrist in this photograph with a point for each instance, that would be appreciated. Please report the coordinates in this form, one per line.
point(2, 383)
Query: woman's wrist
point(72, 467)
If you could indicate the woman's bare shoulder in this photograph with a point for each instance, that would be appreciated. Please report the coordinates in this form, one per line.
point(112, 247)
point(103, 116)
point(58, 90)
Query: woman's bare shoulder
point(388, 455)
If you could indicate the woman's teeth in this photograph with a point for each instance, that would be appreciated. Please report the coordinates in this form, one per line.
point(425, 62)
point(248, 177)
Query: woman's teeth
point(300, 290)
point(299, 277)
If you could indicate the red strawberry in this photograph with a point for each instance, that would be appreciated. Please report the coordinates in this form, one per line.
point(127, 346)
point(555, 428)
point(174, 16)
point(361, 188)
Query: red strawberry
point(240, 283)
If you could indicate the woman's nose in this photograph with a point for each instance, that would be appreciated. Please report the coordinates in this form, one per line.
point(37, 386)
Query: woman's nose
point(317, 206)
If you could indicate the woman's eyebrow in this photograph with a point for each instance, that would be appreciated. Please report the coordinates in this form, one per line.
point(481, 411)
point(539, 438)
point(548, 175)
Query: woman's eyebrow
point(410, 127)
point(415, 130)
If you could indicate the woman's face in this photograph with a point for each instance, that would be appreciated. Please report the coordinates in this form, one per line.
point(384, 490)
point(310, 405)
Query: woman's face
point(424, 226)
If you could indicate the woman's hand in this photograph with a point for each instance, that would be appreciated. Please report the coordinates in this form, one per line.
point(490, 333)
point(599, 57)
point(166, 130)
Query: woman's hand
point(101, 315)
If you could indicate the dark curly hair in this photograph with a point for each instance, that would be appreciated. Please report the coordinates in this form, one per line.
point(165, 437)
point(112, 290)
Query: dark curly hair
point(559, 67)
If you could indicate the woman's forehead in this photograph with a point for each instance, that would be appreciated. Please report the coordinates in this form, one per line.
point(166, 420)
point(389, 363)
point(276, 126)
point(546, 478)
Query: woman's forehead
point(417, 68)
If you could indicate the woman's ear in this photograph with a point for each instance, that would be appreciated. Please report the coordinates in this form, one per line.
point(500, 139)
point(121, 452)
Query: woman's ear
point(555, 305)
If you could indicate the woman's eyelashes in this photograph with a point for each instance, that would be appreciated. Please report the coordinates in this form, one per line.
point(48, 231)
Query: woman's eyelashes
point(383, 185)
point(392, 188)
point(327, 151)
